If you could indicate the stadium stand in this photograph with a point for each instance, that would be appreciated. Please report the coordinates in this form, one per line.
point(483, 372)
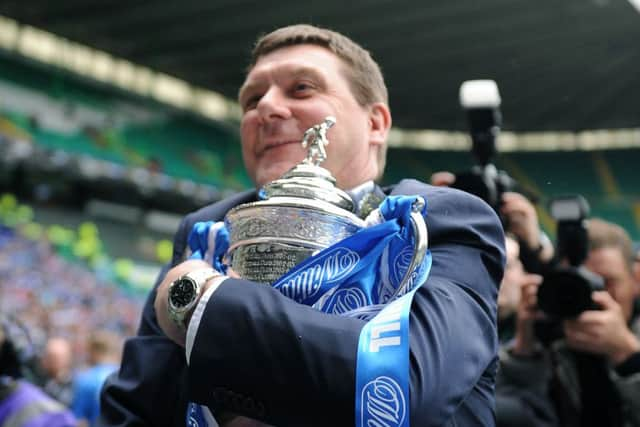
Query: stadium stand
point(58, 112)
point(157, 147)
point(607, 179)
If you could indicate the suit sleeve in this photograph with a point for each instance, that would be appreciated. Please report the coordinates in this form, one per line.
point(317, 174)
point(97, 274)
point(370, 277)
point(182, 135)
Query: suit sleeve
point(149, 388)
point(262, 355)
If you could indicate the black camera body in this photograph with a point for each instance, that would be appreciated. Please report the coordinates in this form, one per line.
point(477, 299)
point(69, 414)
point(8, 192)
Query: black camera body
point(566, 289)
point(486, 182)
point(481, 101)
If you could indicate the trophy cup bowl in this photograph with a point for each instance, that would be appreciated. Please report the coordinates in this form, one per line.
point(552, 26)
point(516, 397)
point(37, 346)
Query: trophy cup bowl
point(270, 237)
point(302, 213)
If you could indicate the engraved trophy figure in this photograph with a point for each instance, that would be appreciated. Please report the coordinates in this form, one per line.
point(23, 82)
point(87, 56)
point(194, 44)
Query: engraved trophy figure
point(302, 213)
point(316, 138)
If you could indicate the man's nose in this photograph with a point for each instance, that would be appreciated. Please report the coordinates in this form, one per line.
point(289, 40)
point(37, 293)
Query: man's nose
point(273, 106)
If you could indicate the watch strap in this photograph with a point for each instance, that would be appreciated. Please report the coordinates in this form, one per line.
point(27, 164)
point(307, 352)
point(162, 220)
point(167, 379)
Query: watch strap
point(199, 277)
point(202, 275)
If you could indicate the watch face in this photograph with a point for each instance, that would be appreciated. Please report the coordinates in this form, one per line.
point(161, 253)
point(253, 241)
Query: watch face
point(182, 292)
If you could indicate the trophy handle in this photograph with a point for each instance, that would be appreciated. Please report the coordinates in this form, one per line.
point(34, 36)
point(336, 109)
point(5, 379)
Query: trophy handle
point(421, 243)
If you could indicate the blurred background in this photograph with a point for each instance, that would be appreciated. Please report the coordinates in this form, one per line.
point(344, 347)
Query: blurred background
point(116, 118)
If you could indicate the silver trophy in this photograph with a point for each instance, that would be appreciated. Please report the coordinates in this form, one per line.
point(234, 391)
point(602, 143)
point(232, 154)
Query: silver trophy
point(303, 212)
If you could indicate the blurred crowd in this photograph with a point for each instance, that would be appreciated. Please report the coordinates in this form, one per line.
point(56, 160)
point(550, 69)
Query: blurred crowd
point(66, 323)
point(56, 297)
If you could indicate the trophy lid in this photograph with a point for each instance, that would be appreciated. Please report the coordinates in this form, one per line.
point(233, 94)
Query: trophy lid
point(308, 180)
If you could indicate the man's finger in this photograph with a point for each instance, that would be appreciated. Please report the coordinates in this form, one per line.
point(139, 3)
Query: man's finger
point(604, 300)
point(532, 280)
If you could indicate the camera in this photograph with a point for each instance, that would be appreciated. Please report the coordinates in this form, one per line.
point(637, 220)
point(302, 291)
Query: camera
point(566, 288)
point(481, 101)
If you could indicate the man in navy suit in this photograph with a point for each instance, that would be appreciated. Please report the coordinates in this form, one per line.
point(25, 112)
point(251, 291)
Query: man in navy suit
point(253, 352)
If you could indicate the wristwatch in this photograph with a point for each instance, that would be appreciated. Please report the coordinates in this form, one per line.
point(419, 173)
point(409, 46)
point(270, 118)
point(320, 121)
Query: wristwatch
point(185, 291)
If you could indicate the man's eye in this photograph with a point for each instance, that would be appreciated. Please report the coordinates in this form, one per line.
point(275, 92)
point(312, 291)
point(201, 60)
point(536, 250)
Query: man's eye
point(302, 87)
point(251, 102)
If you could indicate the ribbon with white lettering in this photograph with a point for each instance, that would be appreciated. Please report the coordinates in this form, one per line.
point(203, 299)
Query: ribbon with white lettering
point(382, 369)
point(359, 277)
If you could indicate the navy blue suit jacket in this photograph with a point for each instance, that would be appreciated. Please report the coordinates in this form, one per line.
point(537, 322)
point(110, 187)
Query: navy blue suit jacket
point(260, 354)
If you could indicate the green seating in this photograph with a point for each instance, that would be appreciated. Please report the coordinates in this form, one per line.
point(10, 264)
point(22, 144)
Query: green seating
point(547, 174)
point(624, 165)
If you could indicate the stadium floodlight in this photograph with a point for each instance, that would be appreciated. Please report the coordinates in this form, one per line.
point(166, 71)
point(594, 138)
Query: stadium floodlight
point(38, 44)
point(8, 33)
point(171, 90)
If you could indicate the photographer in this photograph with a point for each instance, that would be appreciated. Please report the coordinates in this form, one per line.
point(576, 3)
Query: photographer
point(592, 374)
point(480, 99)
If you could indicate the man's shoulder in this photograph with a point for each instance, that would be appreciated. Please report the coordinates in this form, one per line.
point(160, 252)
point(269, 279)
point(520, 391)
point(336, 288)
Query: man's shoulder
point(441, 196)
point(456, 216)
point(33, 394)
point(216, 211)
point(97, 372)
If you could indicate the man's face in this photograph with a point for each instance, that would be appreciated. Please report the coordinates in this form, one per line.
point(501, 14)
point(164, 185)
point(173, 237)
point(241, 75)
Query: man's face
point(609, 263)
point(56, 360)
point(288, 91)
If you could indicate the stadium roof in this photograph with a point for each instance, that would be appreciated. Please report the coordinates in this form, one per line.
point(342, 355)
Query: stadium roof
point(560, 65)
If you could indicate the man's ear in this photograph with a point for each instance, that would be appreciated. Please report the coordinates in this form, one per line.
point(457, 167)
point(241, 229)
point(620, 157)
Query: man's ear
point(379, 123)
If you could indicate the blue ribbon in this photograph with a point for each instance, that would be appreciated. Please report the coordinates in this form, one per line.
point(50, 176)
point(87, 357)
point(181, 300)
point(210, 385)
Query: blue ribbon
point(209, 241)
point(359, 277)
point(382, 370)
point(195, 416)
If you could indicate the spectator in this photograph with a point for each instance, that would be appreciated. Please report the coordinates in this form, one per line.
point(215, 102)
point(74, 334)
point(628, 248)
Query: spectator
point(514, 280)
point(56, 365)
point(104, 356)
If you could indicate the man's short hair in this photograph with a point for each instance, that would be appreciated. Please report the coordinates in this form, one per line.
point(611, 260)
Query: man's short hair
point(605, 234)
point(361, 71)
point(104, 343)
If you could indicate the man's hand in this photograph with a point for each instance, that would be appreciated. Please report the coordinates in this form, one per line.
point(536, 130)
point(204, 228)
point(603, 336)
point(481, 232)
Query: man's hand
point(161, 304)
point(443, 179)
point(240, 421)
point(603, 331)
point(522, 218)
point(528, 313)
